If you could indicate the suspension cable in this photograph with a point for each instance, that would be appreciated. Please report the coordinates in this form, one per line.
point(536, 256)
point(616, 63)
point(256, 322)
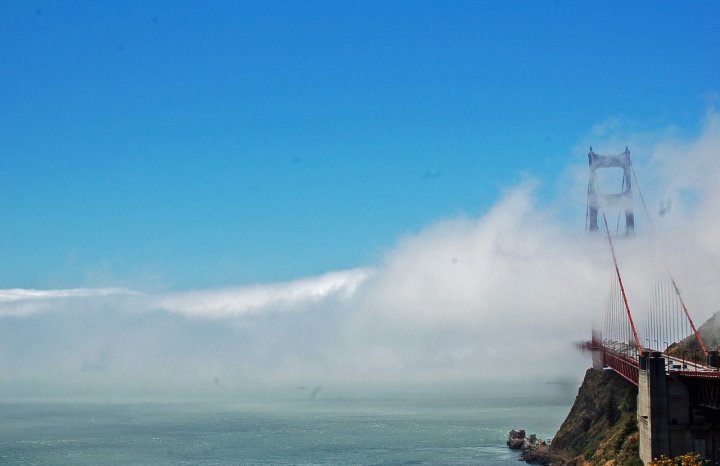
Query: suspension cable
point(672, 279)
point(622, 288)
point(642, 198)
point(682, 303)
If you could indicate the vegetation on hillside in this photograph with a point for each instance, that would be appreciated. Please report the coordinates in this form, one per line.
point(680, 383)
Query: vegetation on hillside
point(689, 348)
point(688, 459)
point(601, 426)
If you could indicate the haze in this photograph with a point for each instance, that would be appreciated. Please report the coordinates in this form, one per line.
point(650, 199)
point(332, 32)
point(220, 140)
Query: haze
point(212, 200)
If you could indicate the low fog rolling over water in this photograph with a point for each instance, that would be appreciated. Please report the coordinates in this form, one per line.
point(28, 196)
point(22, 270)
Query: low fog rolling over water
point(331, 232)
point(501, 296)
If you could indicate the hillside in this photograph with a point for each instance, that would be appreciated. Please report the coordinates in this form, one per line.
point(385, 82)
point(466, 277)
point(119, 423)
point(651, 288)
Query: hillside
point(601, 428)
point(709, 332)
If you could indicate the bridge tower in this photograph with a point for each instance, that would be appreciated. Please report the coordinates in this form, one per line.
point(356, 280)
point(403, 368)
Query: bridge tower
point(623, 199)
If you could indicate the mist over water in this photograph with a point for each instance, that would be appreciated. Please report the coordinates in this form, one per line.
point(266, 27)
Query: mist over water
point(499, 297)
point(328, 233)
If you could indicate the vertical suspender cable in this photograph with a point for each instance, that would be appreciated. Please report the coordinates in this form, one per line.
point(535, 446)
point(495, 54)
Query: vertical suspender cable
point(666, 313)
point(615, 322)
point(653, 311)
point(622, 288)
point(672, 279)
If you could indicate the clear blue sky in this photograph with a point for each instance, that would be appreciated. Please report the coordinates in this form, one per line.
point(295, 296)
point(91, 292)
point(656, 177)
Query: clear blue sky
point(191, 144)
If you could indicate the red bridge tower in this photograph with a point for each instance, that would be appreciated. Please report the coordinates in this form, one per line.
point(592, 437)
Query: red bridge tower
point(622, 199)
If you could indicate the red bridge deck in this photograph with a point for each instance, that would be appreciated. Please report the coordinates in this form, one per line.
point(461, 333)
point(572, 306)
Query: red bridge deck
point(625, 360)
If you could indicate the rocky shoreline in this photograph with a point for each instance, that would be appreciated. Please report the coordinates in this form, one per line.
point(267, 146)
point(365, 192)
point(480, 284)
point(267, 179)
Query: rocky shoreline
point(599, 430)
point(534, 450)
point(601, 427)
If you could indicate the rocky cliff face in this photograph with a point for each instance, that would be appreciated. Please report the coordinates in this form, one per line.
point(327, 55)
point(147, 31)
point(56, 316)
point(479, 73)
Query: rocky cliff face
point(601, 428)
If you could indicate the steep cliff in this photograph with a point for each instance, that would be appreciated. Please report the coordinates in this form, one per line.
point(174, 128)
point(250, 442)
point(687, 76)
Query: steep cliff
point(601, 428)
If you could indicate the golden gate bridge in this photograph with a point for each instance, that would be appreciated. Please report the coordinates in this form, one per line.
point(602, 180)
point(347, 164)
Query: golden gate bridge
point(678, 406)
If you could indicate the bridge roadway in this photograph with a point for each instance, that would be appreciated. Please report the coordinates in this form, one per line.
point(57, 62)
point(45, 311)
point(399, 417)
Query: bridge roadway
point(625, 360)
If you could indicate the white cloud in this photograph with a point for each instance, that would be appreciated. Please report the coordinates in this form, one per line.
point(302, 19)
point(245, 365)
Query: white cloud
point(19, 302)
point(211, 303)
point(262, 298)
point(503, 295)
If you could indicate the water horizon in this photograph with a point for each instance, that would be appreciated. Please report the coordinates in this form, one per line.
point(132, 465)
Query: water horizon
point(331, 427)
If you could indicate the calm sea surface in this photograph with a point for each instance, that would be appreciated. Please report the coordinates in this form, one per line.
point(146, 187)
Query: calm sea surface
point(400, 429)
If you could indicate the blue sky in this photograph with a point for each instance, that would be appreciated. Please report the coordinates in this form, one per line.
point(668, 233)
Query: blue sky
point(192, 144)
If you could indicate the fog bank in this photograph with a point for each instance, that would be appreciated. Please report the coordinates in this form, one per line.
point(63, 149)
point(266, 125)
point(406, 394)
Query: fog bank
point(469, 299)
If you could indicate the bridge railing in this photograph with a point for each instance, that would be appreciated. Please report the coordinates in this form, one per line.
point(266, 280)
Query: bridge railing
point(622, 362)
point(623, 358)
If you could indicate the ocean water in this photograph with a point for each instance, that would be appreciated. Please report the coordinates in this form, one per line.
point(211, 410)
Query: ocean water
point(429, 428)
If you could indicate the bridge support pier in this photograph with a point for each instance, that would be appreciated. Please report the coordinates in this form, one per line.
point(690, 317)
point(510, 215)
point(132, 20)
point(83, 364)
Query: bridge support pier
point(671, 417)
point(652, 413)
